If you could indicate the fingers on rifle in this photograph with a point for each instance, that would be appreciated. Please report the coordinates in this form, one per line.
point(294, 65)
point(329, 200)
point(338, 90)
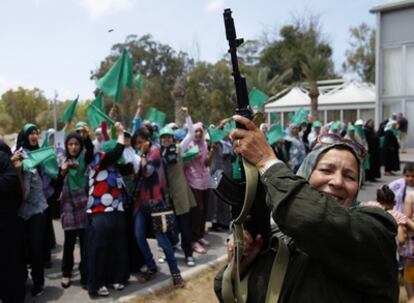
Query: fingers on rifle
point(246, 122)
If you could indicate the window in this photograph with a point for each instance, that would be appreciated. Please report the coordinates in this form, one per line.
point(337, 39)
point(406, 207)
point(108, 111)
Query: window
point(350, 115)
point(409, 70)
point(365, 114)
point(286, 120)
point(393, 72)
point(390, 108)
point(334, 115)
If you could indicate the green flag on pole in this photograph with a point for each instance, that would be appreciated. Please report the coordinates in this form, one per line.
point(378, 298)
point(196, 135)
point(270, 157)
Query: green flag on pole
point(257, 98)
point(275, 133)
point(99, 102)
point(96, 116)
point(216, 134)
point(273, 118)
point(69, 111)
point(229, 126)
point(119, 76)
point(301, 116)
point(140, 82)
point(155, 116)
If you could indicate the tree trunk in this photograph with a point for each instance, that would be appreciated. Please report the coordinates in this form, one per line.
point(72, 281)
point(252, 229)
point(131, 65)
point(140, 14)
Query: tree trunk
point(178, 94)
point(313, 95)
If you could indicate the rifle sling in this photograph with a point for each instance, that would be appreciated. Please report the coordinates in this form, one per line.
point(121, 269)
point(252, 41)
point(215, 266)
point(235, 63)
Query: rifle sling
point(280, 263)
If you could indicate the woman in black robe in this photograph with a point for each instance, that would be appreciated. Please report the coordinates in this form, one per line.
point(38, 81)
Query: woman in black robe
point(391, 149)
point(11, 233)
point(374, 152)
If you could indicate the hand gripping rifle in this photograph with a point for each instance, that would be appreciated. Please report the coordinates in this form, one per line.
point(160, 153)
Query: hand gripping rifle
point(246, 197)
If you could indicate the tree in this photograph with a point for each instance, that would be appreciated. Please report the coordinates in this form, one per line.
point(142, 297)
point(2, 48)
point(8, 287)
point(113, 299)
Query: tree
point(259, 77)
point(292, 49)
point(209, 92)
point(24, 105)
point(314, 69)
point(159, 66)
point(360, 57)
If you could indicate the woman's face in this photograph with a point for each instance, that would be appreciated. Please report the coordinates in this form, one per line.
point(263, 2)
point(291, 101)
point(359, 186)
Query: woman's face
point(139, 141)
point(198, 134)
point(166, 140)
point(336, 174)
point(73, 147)
point(409, 178)
point(34, 137)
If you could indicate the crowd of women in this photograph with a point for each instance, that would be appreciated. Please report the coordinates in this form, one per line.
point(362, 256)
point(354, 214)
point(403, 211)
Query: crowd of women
point(114, 192)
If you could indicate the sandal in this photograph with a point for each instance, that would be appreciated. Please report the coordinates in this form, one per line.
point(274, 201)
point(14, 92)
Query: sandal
point(198, 248)
point(147, 276)
point(178, 281)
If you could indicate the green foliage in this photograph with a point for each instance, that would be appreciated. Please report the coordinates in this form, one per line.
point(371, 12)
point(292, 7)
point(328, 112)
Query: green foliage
point(24, 106)
point(360, 57)
point(209, 91)
point(259, 77)
point(291, 51)
point(159, 66)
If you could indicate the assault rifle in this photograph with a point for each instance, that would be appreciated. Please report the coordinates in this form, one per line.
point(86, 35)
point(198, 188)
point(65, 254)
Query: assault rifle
point(230, 191)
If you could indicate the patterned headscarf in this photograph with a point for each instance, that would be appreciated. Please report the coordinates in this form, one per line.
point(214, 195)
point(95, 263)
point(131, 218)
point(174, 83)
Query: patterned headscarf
point(309, 164)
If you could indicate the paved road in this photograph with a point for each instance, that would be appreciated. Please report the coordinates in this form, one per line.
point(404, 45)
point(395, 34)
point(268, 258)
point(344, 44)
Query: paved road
point(54, 293)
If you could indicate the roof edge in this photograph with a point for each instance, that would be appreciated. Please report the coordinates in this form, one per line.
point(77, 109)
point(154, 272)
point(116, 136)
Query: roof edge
point(392, 6)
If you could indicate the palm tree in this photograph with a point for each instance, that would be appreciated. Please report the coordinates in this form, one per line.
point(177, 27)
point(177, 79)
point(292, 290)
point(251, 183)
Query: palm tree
point(314, 69)
point(259, 78)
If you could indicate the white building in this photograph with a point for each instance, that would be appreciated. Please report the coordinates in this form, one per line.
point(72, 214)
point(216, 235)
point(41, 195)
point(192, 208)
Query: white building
point(338, 100)
point(395, 61)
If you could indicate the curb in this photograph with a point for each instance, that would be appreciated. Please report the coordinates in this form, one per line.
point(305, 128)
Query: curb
point(167, 283)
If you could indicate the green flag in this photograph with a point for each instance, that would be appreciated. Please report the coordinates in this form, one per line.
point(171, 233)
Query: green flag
point(216, 134)
point(99, 102)
point(301, 116)
point(155, 116)
point(119, 76)
point(257, 98)
point(96, 116)
point(229, 126)
point(191, 153)
point(69, 111)
point(50, 166)
point(275, 133)
point(38, 156)
point(140, 82)
point(273, 118)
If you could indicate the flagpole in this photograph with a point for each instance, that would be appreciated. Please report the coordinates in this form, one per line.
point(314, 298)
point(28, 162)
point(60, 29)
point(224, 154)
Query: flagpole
point(55, 111)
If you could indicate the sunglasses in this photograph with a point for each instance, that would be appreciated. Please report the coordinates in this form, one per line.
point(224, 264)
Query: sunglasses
point(359, 149)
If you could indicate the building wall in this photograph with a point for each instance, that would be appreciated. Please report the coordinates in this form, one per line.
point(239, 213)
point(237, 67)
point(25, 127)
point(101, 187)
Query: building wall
point(395, 65)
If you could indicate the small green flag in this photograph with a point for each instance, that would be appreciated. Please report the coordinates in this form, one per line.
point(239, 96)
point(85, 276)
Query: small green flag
point(301, 116)
point(38, 156)
point(257, 98)
point(140, 82)
point(99, 102)
point(229, 126)
point(96, 116)
point(216, 134)
point(275, 133)
point(191, 153)
point(69, 111)
point(119, 76)
point(155, 116)
point(236, 169)
point(273, 118)
point(50, 166)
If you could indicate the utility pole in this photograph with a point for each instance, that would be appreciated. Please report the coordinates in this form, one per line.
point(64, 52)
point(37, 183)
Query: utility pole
point(55, 111)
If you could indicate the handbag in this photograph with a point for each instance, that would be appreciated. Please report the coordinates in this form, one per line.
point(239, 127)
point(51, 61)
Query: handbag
point(162, 217)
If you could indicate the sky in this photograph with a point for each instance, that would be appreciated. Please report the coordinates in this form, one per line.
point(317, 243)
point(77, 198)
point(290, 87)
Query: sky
point(53, 45)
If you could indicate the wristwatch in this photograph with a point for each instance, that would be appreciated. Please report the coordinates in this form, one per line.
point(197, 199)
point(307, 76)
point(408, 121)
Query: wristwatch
point(268, 164)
